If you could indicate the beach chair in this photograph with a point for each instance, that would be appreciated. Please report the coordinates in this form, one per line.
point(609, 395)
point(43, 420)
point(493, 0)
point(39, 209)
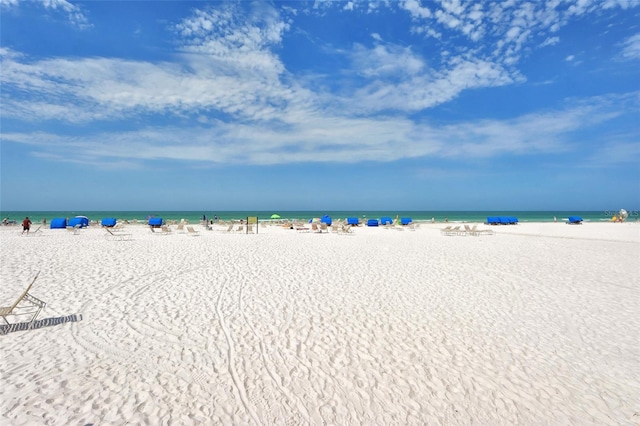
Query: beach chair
point(15, 310)
point(230, 228)
point(37, 231)
point(192, 231)
point(346, 229)
point(165, 229)
point(73, 229)
point(481, 231)
point(180, 228)
point(470, 231)
point(116, 236)
point(454, 231)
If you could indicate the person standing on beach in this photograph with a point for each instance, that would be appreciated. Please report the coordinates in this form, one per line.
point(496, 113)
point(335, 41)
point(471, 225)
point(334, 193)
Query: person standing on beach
point(26, 225)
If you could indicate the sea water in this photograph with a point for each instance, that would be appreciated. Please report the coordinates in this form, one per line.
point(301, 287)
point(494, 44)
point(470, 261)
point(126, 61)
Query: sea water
point(437, 216)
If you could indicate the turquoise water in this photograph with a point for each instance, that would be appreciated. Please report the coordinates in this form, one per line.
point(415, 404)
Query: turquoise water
point(439, 216)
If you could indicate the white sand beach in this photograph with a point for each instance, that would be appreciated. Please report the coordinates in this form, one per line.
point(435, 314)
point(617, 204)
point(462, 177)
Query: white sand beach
point(536, 324)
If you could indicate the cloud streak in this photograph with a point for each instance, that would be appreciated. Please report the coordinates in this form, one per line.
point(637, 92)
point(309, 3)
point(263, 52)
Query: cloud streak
point(227, 97)
point(331, 139)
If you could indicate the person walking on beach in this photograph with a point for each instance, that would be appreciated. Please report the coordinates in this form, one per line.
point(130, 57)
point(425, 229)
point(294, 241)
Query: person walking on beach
point(26, 225)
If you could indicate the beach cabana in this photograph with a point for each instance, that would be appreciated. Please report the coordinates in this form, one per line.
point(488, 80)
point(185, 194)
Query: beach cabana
point(108, 222)
point(372, 222)
point(574, 220)
point(386, 220)
point(78, 222)
point(353, 221)
point(405, 220)
point(58, 223)
point(326, 219)
point(502, 220)
point(155, 222)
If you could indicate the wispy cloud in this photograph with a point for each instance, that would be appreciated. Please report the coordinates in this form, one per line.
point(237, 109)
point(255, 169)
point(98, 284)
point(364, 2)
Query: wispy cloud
point(323, 138)
point(243, 106)
point(74, 14)
point(631, 47)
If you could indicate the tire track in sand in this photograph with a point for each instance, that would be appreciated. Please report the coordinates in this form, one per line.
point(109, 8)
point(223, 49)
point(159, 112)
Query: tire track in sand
point(231, 355)
point(266, 360)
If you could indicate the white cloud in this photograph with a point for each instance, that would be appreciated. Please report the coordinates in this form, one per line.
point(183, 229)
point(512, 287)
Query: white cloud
point(550, 41)
point(631, 47)
point(75, 14)
point(386, 60)
point(421, 90)
point(501, 30)
point(235, 42)
point(323, 137)
point(250, 110)
point(416, 10)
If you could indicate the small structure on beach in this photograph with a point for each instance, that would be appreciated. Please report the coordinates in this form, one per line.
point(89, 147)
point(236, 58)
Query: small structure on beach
point(502, 220)
point(386, 220)
point(574, 220)
point(58, 223)
point(405, 220)
point(109, 222)
point(78, 222)
point(155, 222)
point(354, 221)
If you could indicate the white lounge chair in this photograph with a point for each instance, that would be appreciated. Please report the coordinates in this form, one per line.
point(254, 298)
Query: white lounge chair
point(73, 229)
point(15, 309)
point(116, 236)
point(453, 231)
point(35, 232)
point(192, 231)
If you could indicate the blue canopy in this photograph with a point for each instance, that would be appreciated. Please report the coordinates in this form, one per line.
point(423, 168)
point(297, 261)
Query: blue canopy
point(78, 221)
point(372, 222)
point(109, 222)
point(58, 223)
point(155, 221)
point(405, 220)
point(575, 219)
point(502, 220)
point(384, 220)
point(326, 219)
point(352, 221)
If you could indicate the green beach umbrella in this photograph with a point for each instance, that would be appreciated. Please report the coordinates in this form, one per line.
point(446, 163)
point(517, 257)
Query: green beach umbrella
point(275, 216)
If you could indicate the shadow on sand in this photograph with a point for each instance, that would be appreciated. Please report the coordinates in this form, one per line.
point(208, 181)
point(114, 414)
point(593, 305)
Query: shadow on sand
point(47, 322)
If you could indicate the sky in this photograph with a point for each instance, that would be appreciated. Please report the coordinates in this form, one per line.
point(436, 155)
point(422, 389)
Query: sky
point(320, 105)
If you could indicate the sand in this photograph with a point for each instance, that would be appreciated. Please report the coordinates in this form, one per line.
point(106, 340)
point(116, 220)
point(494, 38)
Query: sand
point(536, 324)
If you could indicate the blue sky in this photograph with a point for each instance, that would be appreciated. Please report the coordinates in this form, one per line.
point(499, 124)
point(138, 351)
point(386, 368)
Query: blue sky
point(372, 105)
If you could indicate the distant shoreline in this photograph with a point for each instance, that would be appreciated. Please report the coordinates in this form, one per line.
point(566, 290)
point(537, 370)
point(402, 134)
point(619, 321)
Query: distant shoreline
point(417, 216)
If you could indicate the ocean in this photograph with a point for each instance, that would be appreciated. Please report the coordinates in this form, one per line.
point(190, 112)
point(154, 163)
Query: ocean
point(438, 216)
